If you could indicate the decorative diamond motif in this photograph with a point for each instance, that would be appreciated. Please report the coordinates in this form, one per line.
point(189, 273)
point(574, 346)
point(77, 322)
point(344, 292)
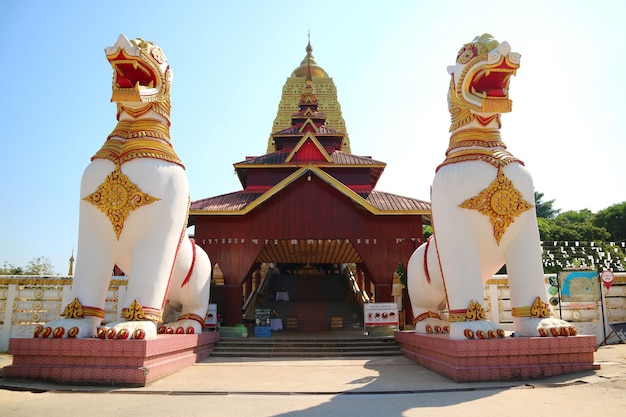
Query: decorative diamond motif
point(501, 201)
point(116, 197)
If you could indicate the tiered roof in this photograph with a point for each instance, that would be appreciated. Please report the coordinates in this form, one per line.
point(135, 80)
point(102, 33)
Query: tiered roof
point(309, 147)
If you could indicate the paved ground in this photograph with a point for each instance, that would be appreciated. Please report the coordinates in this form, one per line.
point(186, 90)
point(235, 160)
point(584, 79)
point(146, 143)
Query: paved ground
point(329, 387)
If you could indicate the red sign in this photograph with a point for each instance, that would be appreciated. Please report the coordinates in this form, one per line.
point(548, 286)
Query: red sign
point(607, 277)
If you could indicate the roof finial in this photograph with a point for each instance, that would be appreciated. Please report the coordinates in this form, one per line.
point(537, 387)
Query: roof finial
point(309, 48)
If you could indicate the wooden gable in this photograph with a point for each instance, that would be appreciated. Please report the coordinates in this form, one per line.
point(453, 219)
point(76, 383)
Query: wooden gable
point(308, 150)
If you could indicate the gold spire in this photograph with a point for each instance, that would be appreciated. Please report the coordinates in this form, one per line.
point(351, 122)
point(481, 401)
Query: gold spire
point(71, 270)
point(326, 96)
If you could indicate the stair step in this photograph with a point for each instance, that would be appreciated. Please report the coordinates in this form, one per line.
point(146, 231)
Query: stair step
point(256, 347)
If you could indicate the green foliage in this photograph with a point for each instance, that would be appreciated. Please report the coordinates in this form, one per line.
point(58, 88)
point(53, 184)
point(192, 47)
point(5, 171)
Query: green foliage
point(427, 231)
point(36, 266)
point(9, 269)
point(577, 225)
point(613, 219)
point(572, 226)
point(544, 209)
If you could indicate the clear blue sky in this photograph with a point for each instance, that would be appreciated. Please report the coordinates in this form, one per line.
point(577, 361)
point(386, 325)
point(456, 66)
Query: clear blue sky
point(231, 60)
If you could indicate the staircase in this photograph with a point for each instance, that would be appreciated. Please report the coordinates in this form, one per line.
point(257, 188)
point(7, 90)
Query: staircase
point(306, 347)
point(316, 302)
point(320, 320)
point(309, 316)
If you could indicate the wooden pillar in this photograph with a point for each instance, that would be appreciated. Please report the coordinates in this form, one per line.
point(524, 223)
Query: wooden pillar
point(384, 293)
point(229, 302)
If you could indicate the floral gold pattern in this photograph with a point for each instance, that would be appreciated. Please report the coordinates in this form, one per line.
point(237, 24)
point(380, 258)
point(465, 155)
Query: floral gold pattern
point(75, 310)
point(474, 312)
point(501, 201)
point(116, 197)
point(538, 310)
point(136, 312)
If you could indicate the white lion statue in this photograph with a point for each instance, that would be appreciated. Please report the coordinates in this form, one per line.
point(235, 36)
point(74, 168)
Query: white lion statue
point(482, 212)
point(133, 214)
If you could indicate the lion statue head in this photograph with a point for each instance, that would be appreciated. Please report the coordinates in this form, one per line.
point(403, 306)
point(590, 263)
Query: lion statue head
point(141, 73)
point(479, 85)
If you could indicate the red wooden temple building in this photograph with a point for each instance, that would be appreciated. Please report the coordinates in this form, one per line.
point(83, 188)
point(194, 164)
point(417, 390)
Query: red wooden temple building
point(307, 205)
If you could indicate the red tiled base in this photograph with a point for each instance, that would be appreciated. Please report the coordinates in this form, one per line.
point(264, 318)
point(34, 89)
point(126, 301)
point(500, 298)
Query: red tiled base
point(107, 362)
point(513, 358)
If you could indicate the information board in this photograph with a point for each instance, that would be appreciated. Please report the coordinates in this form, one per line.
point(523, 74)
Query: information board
point(211, 317)
point(262, 323)
point(380, 314)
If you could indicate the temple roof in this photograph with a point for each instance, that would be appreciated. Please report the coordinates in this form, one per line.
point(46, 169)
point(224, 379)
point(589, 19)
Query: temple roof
point(338, 158)
point(242, 202)
point(239, 201)
point(309, 147)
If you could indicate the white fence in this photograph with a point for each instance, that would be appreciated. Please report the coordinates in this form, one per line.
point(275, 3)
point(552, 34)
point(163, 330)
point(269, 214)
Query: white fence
point(27, 301)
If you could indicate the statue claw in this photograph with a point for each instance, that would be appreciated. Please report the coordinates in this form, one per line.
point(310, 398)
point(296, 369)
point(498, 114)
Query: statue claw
point(123, 334)
point(73, 332)
point(47, 331)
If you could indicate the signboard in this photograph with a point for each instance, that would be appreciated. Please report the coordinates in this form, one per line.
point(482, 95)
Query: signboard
point(607, 278)
point(579, 286)
point(380, 314)
point(211, 318)
point(262, 322)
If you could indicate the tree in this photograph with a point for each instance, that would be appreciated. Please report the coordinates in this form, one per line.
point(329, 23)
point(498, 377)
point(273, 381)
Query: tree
point(613, 219)
point(9, 269)
point(544, 209)
point(577, 226)
point(36, 266)
point(427, 230)
point(39, 266)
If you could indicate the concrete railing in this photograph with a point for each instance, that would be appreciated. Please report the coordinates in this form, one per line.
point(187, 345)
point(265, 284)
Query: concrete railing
point(27, 301)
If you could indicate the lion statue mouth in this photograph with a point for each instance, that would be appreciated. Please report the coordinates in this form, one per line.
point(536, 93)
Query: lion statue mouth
point(141, 72)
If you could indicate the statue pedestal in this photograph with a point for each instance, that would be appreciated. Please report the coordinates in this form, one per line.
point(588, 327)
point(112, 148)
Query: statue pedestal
point(512, 358)
point(133, 363)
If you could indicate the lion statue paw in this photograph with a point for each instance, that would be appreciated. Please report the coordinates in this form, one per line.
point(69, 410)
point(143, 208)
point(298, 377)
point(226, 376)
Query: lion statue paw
point(137, 329)
point(544, 327)
point(181, 327)
point(68, 328)
point(479, 329)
